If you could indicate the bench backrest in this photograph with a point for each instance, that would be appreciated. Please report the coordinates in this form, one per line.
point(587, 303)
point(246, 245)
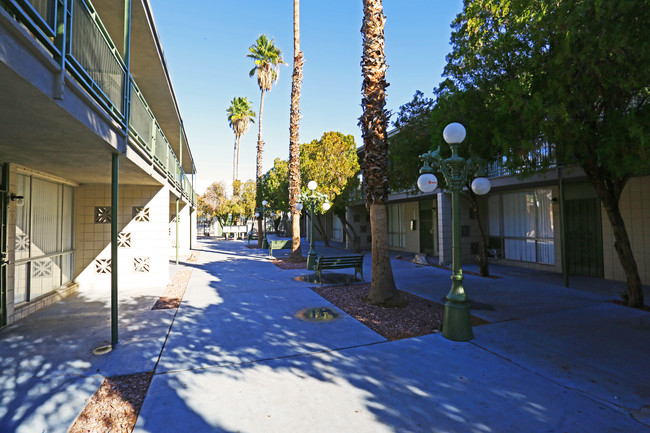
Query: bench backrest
point(354, 260)
point(278, 245)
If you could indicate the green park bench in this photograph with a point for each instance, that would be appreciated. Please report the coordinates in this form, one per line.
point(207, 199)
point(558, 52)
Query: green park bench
point(279, 245)
point(339, 262)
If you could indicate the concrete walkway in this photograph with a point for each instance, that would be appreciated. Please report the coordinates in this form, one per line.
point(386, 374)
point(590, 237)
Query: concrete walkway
point(234, 358)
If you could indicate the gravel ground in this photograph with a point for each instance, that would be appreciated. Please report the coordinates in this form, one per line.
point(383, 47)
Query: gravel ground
point(115, 406)
point(286, 263)
point(419, 317)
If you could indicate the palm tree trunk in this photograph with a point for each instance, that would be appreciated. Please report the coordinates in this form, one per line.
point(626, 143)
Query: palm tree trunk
point(374, 122)
point(258, 172)
point(294, 136)
point(234, 162)
point(237, 152)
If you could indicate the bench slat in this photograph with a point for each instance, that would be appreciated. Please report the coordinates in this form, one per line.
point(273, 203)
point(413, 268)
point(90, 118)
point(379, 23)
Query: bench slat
point(339, 262)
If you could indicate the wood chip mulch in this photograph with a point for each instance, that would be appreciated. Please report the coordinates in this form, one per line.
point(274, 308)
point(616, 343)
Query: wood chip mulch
point(287, 263)
point(620, 302)
point(419, 317)
point(115, 406)
point(175, 290)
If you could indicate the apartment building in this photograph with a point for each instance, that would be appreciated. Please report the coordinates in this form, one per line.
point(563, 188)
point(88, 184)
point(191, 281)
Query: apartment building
point(93, 152)
point(522, 221)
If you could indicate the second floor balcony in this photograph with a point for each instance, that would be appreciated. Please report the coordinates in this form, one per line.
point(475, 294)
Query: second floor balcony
point(114, 55)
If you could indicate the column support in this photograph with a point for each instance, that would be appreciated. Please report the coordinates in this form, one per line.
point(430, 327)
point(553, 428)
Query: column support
point(114, 228)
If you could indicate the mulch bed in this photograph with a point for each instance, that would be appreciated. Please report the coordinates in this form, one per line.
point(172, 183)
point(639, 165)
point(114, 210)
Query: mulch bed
point(620, 302)
point(175, 290)
point(419, 317)
point(115, 406)
point(287, 264)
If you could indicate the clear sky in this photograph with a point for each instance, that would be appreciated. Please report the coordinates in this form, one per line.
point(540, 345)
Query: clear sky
point(206, 41)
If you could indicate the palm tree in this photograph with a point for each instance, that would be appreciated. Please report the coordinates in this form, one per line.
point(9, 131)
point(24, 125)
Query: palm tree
point(240, 116)
point(294, 140)
point(267, 58)
point(373, 122)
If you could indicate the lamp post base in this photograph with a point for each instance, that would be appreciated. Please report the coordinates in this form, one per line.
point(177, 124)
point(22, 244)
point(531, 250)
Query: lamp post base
point(265, 243)
point(457, 322)
point(311, 260)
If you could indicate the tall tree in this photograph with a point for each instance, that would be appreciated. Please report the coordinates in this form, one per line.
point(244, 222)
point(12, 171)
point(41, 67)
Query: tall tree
point(294, 136)
point(573, 74)
point(267, 58)
point(374, 122)
point(240, 116)
point(332, 162)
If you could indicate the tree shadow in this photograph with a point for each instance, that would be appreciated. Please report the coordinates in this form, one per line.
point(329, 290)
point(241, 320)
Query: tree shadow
point(237, 359)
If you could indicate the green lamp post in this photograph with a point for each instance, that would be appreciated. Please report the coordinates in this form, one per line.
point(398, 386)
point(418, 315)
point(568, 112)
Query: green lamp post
point(265, 241)
point(456, 324)
point(312, 199)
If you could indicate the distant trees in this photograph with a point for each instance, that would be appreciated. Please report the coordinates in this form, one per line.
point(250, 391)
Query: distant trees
point(216, 202)
point(240, 116)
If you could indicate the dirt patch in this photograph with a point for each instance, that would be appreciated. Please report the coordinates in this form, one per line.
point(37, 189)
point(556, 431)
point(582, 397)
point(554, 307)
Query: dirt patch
point(115, 406)
point(419, 317)
point(287, 263)
point(620, 302)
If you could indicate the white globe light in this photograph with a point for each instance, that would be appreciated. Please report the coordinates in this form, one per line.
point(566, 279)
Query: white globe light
point(264, 202)
point(298, 207)
point(454, 133)
point(257, 214)
point(312, 185)
point(326, 206)
point(481, 185)
point(427, 182)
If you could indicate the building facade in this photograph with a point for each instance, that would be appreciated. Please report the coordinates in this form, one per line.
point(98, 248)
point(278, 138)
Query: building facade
point(90, 134)
point(522, 219)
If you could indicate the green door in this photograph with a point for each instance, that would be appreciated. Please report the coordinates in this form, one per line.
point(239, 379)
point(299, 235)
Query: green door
point(427, 227)
point(584, 237)
point(4, 173)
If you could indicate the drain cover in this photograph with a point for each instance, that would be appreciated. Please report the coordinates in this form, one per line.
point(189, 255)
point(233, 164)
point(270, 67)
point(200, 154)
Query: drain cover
point(102, 350)
point(321, 314)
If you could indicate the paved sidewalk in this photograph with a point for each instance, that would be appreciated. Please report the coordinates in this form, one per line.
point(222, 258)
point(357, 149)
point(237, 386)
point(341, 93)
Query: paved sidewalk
point(237, 358)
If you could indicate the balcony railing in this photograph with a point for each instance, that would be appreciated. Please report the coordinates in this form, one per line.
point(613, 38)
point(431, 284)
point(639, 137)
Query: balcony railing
point(72, 31)
point(531, 162)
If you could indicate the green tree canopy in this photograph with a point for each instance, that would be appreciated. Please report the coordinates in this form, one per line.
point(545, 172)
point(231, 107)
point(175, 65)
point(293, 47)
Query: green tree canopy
point(218, 203)
point(274, 186)
point(331, 161)
point(570, 73)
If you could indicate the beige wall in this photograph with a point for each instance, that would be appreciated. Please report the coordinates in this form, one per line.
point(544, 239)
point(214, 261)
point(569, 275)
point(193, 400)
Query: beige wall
point(143, 253)
point(635, 208)
point(186, 228)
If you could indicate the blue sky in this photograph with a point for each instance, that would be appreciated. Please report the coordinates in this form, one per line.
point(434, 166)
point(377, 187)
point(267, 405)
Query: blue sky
point(206, 42)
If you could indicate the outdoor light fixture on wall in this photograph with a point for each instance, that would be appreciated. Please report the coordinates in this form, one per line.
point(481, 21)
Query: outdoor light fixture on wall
point(19, 199)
